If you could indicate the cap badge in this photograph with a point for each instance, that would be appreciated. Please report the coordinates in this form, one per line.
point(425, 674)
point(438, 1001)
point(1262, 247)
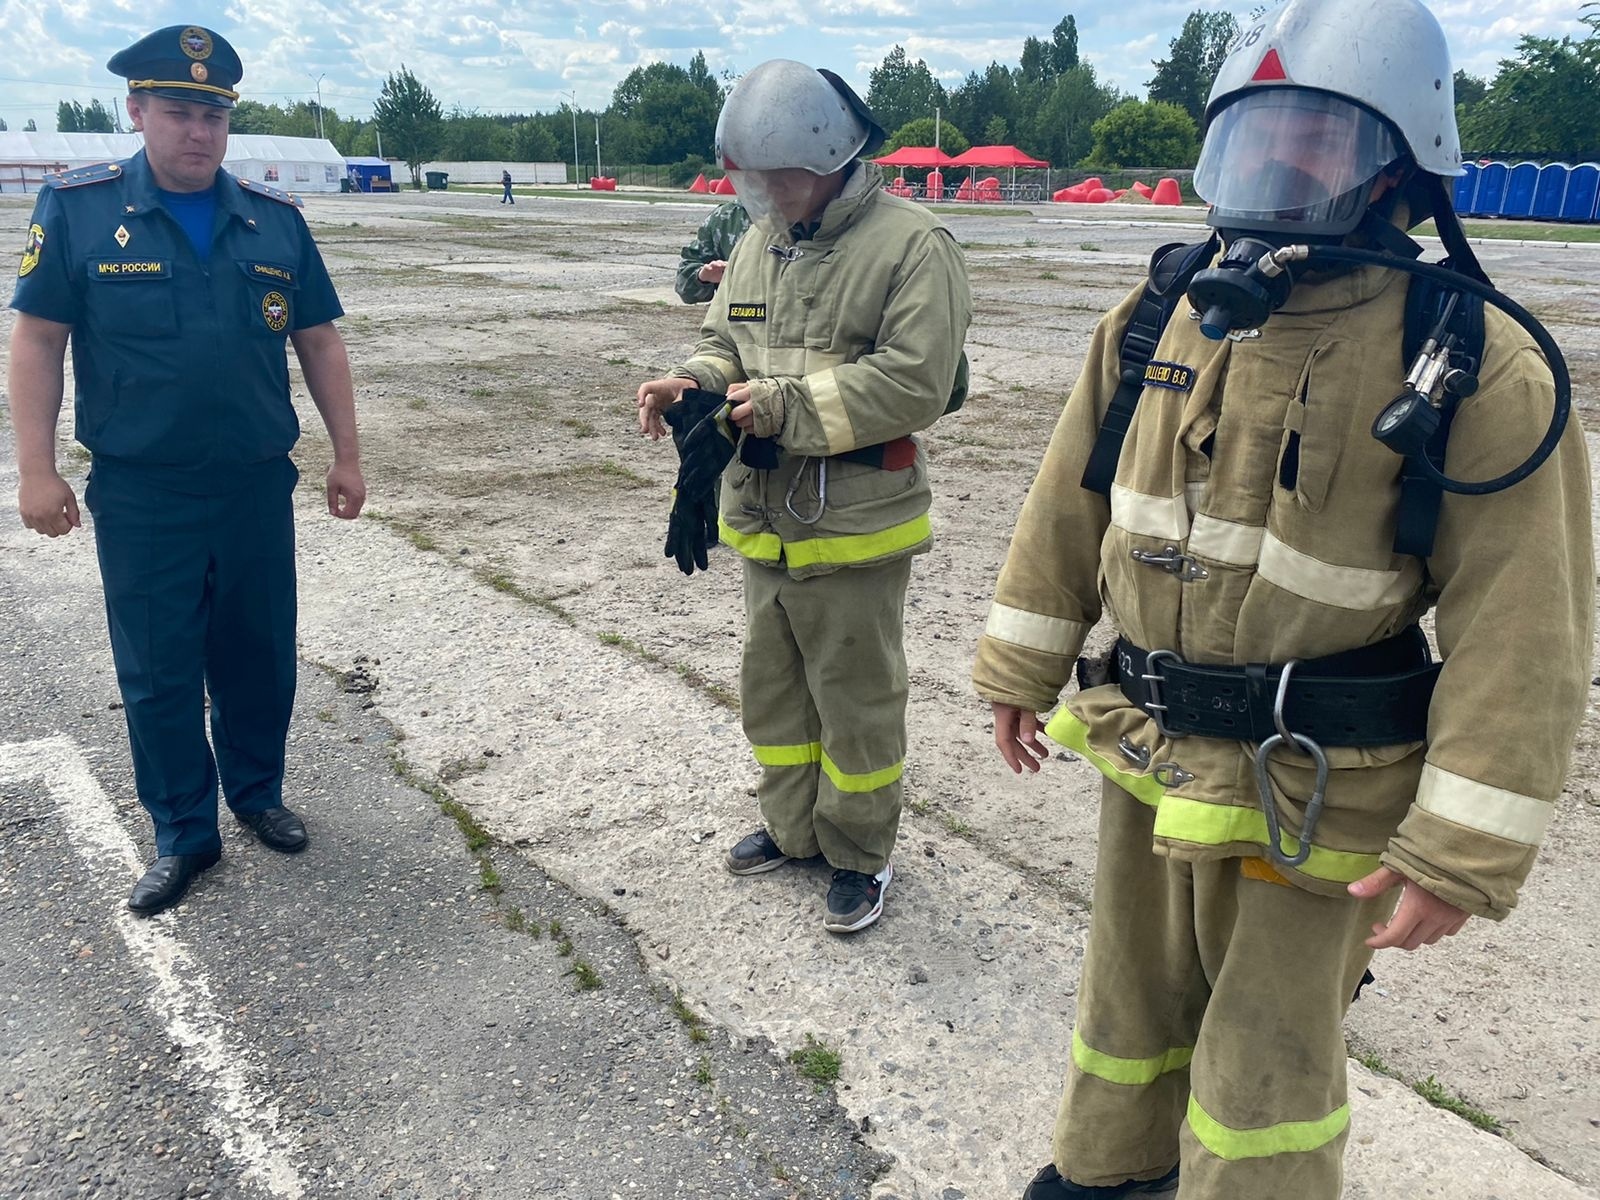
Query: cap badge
point(195, 42)
point(198, 72)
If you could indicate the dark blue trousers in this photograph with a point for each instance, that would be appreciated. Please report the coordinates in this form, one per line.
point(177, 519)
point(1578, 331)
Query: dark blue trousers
point(200, 597)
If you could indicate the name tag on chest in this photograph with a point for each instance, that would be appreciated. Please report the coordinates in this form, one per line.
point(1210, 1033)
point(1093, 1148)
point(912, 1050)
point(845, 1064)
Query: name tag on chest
point(129, 268)
point(747, 312)
point(1173, 376)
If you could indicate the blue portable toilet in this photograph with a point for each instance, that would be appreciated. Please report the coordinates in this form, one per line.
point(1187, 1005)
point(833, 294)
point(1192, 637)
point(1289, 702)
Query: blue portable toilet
point(1518, 202)
point(1491, 193)
point(1583, 190)
point(1465, 184)
point(1549, 191)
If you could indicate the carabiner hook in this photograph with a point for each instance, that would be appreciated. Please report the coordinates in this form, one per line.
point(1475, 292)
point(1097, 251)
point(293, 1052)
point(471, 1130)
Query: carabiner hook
point(822, 491)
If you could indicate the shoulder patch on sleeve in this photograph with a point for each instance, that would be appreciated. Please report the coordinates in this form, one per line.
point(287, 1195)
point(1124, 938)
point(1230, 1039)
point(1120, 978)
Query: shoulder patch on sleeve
point(78, 177)
point(271, 193)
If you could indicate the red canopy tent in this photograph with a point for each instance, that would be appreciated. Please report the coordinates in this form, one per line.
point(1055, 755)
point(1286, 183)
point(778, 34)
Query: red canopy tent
point(915, 156)
point(1000, 156)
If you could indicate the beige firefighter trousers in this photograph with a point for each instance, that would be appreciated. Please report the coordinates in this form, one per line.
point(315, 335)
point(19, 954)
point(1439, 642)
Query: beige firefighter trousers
point(822, 688)
point(1209, 1023)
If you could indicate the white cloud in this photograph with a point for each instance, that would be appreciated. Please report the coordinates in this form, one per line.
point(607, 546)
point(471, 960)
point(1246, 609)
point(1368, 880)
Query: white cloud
point(517, 55)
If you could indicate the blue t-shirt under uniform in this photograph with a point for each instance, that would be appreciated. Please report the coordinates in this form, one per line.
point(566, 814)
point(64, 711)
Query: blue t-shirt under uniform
point(197, 213)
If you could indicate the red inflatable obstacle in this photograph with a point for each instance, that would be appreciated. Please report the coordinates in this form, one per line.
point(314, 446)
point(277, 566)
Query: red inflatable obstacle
point(723, 187)
point(1166, 192)
point(933, 189)
point(602, 184)
point(900, 188)
point(1144, 189)
point(700, 186)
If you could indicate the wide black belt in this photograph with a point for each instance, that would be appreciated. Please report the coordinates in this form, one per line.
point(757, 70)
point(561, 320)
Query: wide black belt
point(1376, 695)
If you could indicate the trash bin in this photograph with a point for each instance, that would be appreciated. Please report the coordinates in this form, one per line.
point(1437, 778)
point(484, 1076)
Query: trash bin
point(438, 181)
point(344, 184)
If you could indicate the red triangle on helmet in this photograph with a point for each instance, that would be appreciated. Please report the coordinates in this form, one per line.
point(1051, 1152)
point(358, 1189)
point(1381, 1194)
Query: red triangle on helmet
point(1271, 68)
point(728, 164)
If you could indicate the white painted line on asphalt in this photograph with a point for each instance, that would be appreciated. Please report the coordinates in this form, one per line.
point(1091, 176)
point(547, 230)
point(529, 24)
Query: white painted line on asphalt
point(243, 1121)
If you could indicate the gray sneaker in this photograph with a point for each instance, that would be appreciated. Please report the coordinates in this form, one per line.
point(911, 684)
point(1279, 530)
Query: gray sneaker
point(755, 854)
point(855, 899)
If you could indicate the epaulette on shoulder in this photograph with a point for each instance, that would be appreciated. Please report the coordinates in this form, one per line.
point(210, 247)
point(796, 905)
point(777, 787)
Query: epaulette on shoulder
point(271, 193)
point(79, 176)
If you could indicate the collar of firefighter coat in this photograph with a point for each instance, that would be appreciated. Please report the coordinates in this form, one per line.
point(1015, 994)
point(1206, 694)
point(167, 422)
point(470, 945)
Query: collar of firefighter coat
point(844, 209)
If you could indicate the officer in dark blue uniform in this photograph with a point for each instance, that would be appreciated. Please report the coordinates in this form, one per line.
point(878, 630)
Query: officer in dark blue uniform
point(179, 285)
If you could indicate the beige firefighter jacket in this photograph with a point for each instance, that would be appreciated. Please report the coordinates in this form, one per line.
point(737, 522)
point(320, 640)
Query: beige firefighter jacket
point(1299, 564)
point(850, 339)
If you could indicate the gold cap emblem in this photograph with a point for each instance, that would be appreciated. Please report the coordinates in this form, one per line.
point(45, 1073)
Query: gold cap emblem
point(198, 72)
point(195, 42)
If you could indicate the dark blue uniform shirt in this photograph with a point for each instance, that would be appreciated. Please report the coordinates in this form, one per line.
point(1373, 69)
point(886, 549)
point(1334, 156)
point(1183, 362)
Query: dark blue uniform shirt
point(179, 362)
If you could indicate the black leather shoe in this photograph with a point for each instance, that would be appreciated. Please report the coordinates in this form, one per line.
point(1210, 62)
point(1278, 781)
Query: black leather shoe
point(168, 878)
point(278, 828)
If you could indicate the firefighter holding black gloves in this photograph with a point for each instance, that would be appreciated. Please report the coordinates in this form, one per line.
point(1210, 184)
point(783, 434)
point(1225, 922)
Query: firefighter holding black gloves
point(836, 333)
point(1239, 480)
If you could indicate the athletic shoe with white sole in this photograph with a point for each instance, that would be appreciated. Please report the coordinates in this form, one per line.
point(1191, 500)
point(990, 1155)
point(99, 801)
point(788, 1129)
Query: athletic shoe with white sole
point(855, 899)
point(755, 854)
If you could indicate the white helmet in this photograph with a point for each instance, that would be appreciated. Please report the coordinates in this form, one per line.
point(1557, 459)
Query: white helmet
point(784, 114)
point(1352, 85)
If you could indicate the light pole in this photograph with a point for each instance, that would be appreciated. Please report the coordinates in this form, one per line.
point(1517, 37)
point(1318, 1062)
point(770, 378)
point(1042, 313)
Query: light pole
point(574, 94)
point(319, 80)
point(597, 169)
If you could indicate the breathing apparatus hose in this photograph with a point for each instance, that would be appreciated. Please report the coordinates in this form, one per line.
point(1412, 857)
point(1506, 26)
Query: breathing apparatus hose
point(1315, 256)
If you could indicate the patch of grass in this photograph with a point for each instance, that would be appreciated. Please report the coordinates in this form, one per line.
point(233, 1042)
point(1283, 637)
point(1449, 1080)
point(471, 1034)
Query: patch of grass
point(1435, 1093)
point(555, 929)
point(958, 827)
point(580, 427)
point(477, 836)
point(514, 920)
point(481, 393)
point(690, 1019)
point(1030, 243)
point(1048, 275)
point(919, 805)
point(702, 1073)
point(325, 714)
point(1089, 246)
point(421, 538)
point(817, 1062)
point(585, 976)
point(564, 947)
point(1519, 231)
point(488, 877)
point(607, 638)
point(618, 362)
point(416, 404)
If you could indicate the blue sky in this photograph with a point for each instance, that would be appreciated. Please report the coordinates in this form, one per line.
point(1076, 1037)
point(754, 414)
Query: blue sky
point(519, 57)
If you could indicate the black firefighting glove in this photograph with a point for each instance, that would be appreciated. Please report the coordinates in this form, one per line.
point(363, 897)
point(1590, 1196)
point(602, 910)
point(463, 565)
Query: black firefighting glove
point(705, 444)
point(759, 454)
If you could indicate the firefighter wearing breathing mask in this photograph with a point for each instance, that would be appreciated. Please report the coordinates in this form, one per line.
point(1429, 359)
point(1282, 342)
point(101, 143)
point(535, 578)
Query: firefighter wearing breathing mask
point(836, 335)
point(1291, 780)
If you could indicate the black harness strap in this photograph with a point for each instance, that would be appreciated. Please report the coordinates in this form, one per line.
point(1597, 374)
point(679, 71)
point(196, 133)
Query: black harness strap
point(1417, 517)
point(1171, 269)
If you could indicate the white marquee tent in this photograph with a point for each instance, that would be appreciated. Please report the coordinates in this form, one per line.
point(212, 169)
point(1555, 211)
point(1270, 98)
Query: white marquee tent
point(294, 164)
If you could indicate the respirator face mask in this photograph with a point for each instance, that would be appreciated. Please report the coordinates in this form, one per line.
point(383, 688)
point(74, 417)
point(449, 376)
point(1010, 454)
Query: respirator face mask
point(1281, 166)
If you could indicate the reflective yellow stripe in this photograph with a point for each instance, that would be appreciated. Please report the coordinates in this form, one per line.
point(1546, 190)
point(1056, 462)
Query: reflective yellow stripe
point(788, 756)
point(730, 371)
point(843, 550)
point(1152, 516)
point(763, 547)
point(871, 781)
point(1067, 730)
point(1201, 822)
point(857, 547)
point(828, 402)
point(1291, 1137)
point(1136, 1071)
point(1359, 589)
point(1035, 631)
point(1219, 824)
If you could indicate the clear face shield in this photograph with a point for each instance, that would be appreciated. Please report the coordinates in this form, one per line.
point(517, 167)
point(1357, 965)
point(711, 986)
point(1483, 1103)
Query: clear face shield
point(1285, 160)
point(782, 197)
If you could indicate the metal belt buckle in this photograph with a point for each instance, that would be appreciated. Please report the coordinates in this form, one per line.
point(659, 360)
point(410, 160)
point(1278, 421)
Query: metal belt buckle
point(1155, 703)
point(1269, 806)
